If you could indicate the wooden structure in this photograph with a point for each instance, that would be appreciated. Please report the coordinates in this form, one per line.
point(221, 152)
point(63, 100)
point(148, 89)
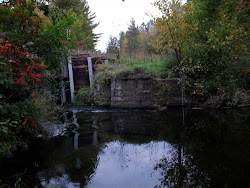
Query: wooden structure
point(80, 70)
point(82, 67)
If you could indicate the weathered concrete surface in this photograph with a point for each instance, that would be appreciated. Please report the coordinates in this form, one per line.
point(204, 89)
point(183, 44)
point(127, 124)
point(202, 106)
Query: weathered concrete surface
point(139, 93)
point(133, 93)
point(145, 93)
point(102, 94)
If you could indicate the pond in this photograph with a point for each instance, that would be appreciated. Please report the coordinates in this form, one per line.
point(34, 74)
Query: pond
point(141, 148)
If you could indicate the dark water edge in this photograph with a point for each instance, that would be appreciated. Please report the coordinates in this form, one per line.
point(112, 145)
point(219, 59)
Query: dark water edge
point(139, 148)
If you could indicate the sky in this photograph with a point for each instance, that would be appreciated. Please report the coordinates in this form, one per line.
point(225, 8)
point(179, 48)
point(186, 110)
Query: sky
point(114, 16)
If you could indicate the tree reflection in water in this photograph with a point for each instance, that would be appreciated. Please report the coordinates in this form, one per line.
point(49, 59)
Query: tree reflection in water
point(176, 148)
point(211, 150)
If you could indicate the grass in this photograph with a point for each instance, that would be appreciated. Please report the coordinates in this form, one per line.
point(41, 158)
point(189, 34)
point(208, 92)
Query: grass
point(132, 68)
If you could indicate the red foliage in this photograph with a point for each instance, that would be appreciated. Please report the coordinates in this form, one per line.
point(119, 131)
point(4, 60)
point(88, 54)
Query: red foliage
point(25, 68)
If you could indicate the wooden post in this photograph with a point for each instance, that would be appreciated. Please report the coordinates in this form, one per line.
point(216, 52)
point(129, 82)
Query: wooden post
point(71, 79)
point(90, 71)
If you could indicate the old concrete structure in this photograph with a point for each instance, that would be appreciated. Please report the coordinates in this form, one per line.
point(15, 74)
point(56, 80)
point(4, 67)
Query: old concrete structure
point(136, 91)
point(139, 93)
point(133, 93)
point(102, 94)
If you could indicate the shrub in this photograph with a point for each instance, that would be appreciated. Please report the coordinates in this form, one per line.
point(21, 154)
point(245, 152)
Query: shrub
point(85, 96)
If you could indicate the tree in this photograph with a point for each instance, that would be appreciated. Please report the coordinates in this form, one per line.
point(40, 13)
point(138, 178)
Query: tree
point(82, 35)
point(121, 38)
point(210, 52)
point(171, 28)
point(113, 46)
point(146, 36)
point(31, 48)
point(132, 36)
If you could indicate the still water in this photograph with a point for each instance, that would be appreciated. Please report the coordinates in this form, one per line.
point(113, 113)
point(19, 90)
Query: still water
point(140, 149)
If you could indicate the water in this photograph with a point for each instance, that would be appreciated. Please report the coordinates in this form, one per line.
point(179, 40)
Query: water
point(137, 148)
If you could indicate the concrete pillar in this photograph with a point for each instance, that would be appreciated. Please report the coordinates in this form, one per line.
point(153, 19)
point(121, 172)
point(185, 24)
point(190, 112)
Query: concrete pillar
point(90, 67)
point(71, 79)
point(106, 62)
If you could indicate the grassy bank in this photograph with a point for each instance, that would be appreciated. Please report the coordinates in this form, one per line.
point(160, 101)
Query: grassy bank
point(132, 68)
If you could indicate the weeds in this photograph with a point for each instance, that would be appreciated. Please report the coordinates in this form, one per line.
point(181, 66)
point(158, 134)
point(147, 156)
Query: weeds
point(85, 96)
point(132, 68)
point(238, 98)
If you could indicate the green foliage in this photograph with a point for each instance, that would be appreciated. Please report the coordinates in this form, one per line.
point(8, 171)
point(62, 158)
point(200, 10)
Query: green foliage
point(113, 45)
point(12, 116)
point(130, 67)
point(209, 40)
point(132, 36)
point(85, 96)
point(67, 4)
point(46, 102)
point(32, 38)
point(5, 147)
point(238, 98)
point(135, 42)
point(55, 48)
point(18, 183)
point(81, 31)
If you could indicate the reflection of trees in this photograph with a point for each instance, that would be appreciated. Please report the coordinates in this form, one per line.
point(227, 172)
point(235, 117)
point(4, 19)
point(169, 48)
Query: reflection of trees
point(73, 159)
point(211, 150)
point(179, 171)
point(77, 165)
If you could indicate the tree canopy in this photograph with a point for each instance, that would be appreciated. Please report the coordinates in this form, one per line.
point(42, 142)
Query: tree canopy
point(81, 31)
point(135, 42)
point(209, 40)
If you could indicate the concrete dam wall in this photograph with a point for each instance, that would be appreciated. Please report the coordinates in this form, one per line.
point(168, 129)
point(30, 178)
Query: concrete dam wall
point(139, 93)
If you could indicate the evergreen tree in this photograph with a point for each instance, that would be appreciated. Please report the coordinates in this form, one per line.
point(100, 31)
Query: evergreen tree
point(132, 36)
point(113, 45)
point(82, 35)
point(122, 37)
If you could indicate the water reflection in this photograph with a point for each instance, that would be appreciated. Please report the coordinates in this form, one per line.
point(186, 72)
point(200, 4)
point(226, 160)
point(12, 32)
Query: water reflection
point(128, 165)
point(211, 150)
point(76, 132)
point(176, 148)
point(62, 181)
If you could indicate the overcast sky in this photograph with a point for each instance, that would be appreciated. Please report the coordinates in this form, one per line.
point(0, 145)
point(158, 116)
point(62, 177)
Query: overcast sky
point(115, 15)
